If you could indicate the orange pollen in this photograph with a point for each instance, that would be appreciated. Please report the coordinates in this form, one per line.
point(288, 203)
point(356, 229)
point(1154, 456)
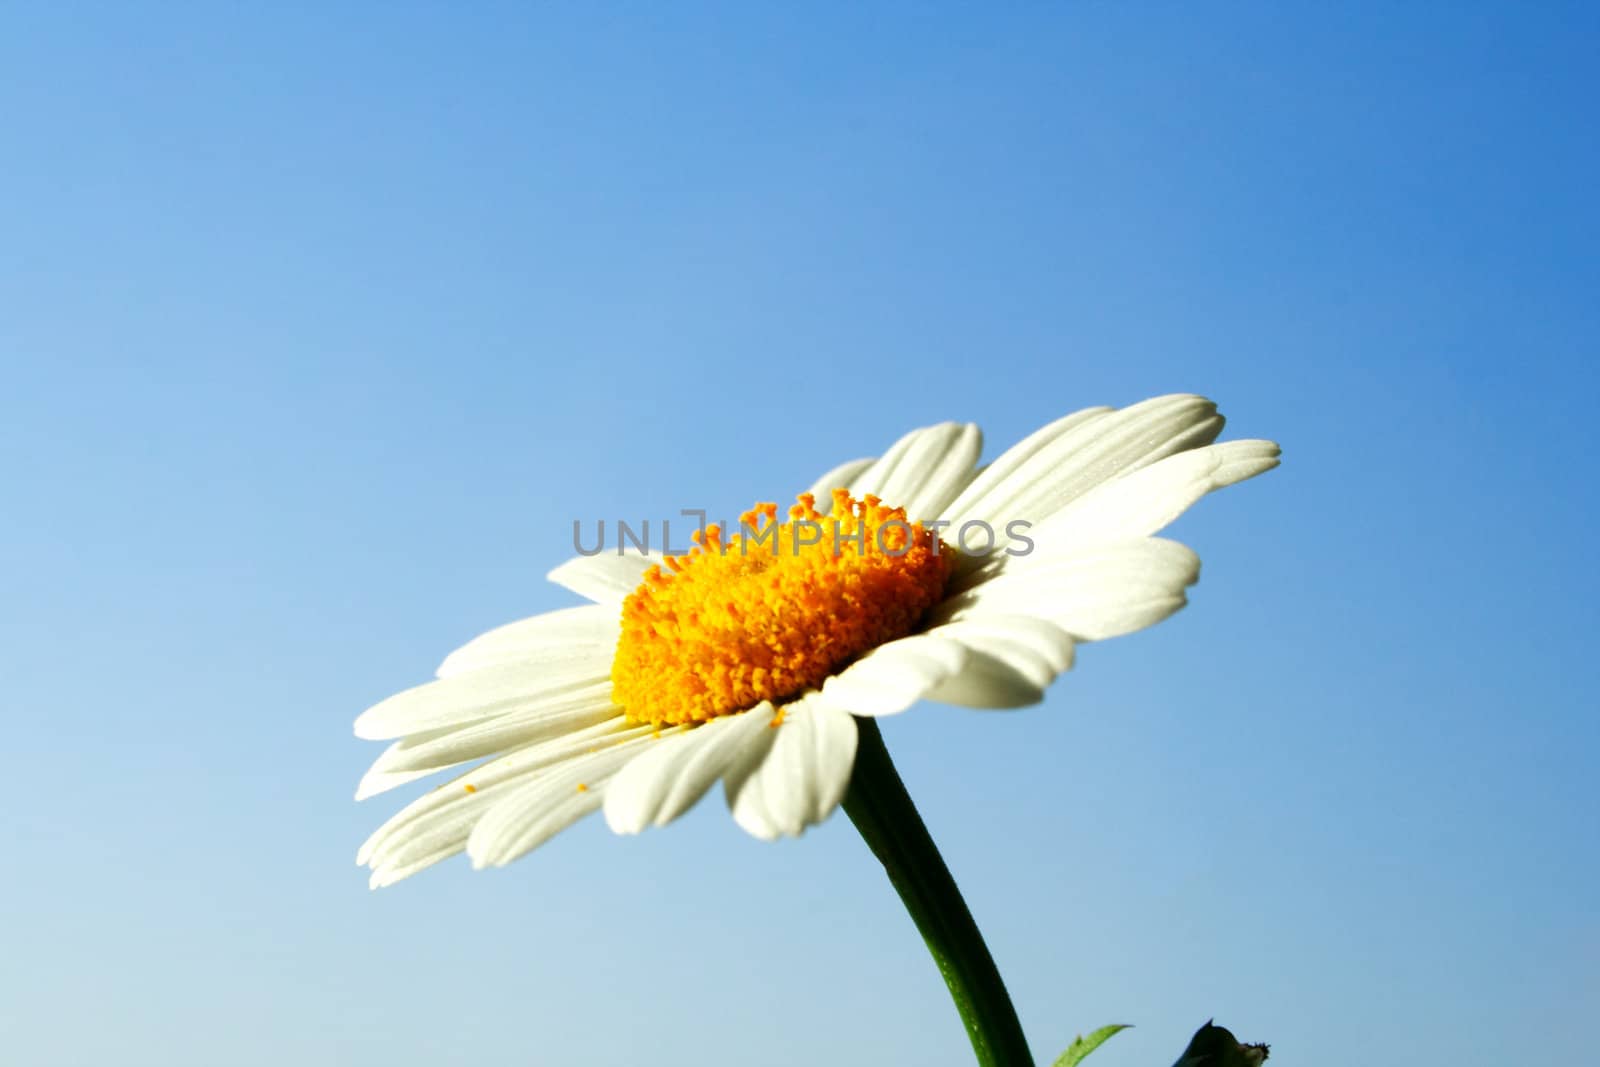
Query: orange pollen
point(774, 610)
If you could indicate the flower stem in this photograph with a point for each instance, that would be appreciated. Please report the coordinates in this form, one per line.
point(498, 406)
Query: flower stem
point(882, 811)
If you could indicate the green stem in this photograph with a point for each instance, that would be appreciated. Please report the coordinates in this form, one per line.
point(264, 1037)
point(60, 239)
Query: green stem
point(882, 811)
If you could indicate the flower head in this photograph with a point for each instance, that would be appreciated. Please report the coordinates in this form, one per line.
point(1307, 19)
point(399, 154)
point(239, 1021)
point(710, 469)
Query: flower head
point(774, 611)
point(746, 660)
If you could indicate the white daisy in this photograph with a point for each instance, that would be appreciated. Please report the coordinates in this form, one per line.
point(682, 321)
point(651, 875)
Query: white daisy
point(747, 661)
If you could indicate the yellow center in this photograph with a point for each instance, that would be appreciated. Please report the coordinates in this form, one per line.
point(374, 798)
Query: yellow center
point(774, 610)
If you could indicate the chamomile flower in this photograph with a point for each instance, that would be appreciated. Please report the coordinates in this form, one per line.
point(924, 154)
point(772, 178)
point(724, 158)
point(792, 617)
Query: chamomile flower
point(748, 660)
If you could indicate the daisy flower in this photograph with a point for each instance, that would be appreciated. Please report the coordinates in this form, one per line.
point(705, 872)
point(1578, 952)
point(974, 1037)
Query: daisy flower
point(759, 658)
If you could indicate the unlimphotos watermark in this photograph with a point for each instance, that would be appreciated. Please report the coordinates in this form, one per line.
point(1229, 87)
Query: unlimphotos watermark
point(975, 537)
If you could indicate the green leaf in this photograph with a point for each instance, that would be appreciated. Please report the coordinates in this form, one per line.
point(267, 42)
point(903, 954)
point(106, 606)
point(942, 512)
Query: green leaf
point(1082, 1046)
point(1214, 1046)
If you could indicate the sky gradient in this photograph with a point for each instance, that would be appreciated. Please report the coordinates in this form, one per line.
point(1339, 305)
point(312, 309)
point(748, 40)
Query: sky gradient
point(319, 328)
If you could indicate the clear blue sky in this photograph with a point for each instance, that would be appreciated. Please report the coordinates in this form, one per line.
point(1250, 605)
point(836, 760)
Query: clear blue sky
point(319, 326)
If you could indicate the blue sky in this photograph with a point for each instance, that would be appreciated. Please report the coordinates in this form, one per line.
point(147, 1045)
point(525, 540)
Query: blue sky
point(319, 327)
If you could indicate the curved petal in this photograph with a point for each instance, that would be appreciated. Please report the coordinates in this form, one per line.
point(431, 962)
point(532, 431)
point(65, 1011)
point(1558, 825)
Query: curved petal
point(377, 780)
point(384, 774)
point(554, 635)
point(1148, 500)
point(557, 715)
point(1102, 591)
point(935, 469)
point(989, 681)
point(605, 578)
point(925, 469)
point(1093, 450)
point(1137, 505)
point(801, 774)
point(482, 694)
point(872, 479)
point(841, 477)
point(528, 815)
point(672, 776)
point(894, 676)
point(1013, 659)
point(1014, 457)
point(436, 825)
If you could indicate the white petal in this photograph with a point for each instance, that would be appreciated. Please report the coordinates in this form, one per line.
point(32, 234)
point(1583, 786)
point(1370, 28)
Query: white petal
point(1014, 457)
point(926, 466)
point(894, 676)
point(1148, 500)
point(553, 635)
point(1139, 504)
point(934, 470)
point(841, 477)
point(672, 776)
point(988, 682)
point(1014, 658)
point(481, 694)
point(605, 578)
point(872, 479)
point(377, 781)
point(1103, 591)
point(1093, 451)
point(532, 813)
point(383, 775)
point(803, 774)
point(437, 823)
point(387, 875)
point(556, 715)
